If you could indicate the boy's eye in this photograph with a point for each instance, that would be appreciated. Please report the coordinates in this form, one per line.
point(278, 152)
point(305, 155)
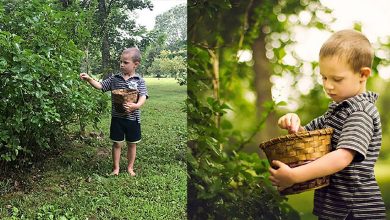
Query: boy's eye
point(337, 80)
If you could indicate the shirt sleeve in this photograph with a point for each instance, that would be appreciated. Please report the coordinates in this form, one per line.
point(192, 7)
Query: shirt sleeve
point(356, 134)
point(143, 91)
point(106, 84)
point(315, 124)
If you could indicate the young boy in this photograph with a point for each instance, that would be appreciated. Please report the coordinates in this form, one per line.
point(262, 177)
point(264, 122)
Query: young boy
point(353, 193)
point(124, 126)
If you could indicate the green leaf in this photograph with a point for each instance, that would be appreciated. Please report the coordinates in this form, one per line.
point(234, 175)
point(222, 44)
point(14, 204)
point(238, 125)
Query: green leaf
point(225, 124)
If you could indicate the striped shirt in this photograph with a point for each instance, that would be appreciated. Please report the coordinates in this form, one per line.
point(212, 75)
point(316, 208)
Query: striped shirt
point(118, 82)
point(353, 190)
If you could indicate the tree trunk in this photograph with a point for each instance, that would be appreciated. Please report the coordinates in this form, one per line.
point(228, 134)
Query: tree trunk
point(105, 52)
point(263, 88)
point(215, 62)
point(105, 46)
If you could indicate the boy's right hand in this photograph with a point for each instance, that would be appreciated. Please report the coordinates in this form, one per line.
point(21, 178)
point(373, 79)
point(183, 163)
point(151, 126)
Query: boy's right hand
point(290, 122)
point(85, 76)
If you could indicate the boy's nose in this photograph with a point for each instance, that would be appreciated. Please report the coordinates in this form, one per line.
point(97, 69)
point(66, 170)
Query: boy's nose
point(328, 86)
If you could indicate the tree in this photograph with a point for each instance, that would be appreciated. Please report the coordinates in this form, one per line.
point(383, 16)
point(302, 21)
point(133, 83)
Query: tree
point(169, 66)
point(173, 24)
point(169, 34)
point(153, 44)
point(114, 30)
point(39, 68)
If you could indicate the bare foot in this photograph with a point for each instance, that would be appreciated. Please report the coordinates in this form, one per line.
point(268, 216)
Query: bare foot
point(114, 173)
point(131, 172)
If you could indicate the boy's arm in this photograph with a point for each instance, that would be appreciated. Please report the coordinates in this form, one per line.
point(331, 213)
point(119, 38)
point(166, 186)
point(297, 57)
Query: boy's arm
point(91, 81)
point(141, 101)
point(143, 95)
point(95, 84)
point(329, 164)
point(129, 107)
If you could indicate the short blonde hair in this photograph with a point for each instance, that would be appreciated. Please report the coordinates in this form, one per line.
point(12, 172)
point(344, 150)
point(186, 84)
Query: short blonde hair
point(136, 54)
point(351, 46)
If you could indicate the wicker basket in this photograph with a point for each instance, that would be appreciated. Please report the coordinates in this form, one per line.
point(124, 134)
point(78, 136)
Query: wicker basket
point(299, 149)
point(122, 96)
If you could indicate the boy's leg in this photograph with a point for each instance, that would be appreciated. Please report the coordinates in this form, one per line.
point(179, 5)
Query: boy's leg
point(132, 136)
point(131, 151)
point(116, 156)
point(117, 133)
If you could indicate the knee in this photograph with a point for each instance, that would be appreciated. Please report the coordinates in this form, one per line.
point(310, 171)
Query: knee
point(116, 145)
point(131, 145)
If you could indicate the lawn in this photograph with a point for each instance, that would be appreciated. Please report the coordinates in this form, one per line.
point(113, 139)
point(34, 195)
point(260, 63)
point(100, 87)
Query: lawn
point(72, 183)
point(303, 202)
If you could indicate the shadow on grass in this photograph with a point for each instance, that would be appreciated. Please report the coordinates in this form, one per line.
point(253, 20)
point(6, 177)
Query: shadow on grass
point(72, 159)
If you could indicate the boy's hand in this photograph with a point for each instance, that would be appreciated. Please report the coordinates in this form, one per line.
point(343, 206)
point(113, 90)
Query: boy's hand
point(129, 107)
point(282, 177)
point(290, 122)
point(84, 76)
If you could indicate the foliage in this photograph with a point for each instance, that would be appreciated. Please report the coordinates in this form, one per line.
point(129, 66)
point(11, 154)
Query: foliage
point(112, 28)
point(46, 212)
point(153, 44)
point(169, 65)
point(230, 102)
point(166, 51)
point(223, 183)
point(173, 25)
point(226, 184)
point(73, 183)
point(39, 76)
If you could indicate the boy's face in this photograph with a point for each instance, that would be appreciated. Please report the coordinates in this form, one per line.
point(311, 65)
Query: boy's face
point(126, 63)
point(339, 80)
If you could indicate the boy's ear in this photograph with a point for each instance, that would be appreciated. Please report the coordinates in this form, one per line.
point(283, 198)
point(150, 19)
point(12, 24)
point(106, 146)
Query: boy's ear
point(365, 72)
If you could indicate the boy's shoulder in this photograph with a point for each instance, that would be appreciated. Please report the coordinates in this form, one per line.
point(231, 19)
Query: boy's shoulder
point(364, 102)
point(139, 77)
point(136, 76)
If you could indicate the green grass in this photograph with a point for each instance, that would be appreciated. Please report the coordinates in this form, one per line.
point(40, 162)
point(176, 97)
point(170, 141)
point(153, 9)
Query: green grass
point(73, 184)
point(303, 202)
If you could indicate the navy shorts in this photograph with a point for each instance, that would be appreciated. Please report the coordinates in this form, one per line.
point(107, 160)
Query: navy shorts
point(125, 130)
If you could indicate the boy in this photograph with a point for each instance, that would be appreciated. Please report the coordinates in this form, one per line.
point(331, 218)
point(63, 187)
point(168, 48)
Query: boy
point(124, 126)
point(353, 193)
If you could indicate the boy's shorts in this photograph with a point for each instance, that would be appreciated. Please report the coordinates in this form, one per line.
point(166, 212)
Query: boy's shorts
point(125, 130)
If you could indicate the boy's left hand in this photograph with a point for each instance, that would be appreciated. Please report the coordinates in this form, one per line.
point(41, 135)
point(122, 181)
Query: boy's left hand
point(129, 107)
point(282, 177)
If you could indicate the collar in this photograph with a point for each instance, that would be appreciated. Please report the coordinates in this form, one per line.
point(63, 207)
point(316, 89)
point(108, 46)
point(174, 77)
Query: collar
point(136, 76)
point(352, 101)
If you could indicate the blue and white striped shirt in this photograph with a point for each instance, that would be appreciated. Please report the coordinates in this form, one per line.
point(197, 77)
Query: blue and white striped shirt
point(354, 190)
point(118, 82)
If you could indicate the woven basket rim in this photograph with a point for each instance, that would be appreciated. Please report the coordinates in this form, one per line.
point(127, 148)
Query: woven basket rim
point(298, 135)
point(124, 90)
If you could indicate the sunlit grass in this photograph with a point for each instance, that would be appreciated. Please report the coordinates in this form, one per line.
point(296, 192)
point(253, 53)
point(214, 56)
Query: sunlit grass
point(73, 184)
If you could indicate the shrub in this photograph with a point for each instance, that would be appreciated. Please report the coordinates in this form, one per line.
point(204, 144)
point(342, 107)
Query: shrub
point(224, 184)
point(39, 85)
